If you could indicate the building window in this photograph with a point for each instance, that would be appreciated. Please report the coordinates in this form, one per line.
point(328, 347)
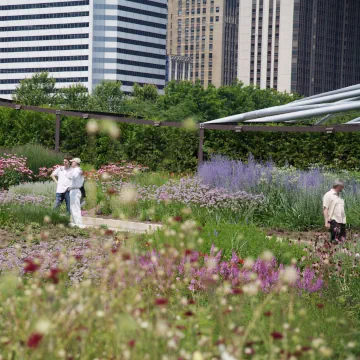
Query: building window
point(217, 9)
point(204, 11)
point(210, 46)
point(217, 18)
point(211, 10)
point(211, 19)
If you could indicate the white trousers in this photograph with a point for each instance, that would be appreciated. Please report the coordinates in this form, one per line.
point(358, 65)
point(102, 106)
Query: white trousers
point(75, 209)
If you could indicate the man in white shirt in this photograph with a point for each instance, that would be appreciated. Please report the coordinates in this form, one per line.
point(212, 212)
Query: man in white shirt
point(334, 212)
point(77, 180)
point(63, 184)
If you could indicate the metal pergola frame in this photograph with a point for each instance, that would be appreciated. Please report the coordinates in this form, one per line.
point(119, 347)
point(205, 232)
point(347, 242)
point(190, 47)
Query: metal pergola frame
point(328, 104)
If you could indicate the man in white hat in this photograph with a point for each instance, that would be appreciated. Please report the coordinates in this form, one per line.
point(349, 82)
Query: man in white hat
point(77, 180)
point(334, 212)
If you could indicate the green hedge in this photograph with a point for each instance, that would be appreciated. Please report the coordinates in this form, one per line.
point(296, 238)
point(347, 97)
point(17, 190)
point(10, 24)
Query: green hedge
point(174, 149)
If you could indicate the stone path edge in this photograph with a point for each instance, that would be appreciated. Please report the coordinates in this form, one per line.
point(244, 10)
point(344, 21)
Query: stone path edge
point(120, 225)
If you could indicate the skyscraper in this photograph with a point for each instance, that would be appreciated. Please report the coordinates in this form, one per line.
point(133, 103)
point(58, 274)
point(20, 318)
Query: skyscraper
point(303, 46)
point(84, 41)
point(205, 31)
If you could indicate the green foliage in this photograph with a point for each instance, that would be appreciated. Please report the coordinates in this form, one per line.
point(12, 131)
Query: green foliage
point(171, 148)
point(145, 93)
point(107, 97)
point(74, 97)
point(12, 215)
point(37, 90)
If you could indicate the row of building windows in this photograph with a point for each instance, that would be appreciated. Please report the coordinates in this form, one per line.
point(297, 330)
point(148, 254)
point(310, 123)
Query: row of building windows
point(140, 74)
point(45, 37)
point(129, 62)
point(42, 59)
point(44, 48)
point(129, 31)
point(130, 20)
point(150, 3)
point(129, 52)
point(61, 80)
point(45, 5)
point(43, 16)
point(143, 33)
point(45, 27)
point(130, 41)
point(142, 12)
point(37, 70)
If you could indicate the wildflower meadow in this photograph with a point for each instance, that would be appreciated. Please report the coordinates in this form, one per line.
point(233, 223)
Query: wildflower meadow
point(228, 276)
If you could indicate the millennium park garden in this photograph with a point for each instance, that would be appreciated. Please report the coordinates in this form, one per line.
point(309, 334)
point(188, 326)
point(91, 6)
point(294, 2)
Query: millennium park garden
point(242, 267)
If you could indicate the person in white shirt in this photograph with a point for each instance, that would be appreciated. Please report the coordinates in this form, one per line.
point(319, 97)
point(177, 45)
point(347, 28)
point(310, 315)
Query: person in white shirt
point(63, 184)
point(334, 212)
point(77, 180)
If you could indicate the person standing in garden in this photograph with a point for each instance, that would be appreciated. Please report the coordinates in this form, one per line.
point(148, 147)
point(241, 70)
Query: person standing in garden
point(77, 180)
point(62, 184)
point(334, 212)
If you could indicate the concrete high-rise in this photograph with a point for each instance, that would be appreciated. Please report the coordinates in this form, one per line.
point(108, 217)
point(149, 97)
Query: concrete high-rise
point(207, 32)
point(83, 41)
point(303, 46)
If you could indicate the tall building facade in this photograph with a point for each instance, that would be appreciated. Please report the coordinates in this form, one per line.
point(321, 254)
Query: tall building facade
point(303, 46)
point(83, 41)
point(207, 32)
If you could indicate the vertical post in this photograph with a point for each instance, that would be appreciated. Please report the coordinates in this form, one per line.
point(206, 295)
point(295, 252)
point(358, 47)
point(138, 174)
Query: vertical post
point(201, 144)
point(57, 131)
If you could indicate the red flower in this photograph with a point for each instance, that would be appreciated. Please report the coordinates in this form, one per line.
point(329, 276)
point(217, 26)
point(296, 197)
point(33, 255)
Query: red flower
point(177, 218)
point(30, 265)
point(114, 249)
point(268, 313)
point(320, 306)
point(276, 335)
point(54, 275)
point(131, 343)
point(78, 256)
point(109, 232)
point(241, 261)
point(181, 327)
point(236, 291)
point(191, 301)
point(111, 191)
point(34, 340)
point(188, 252)
point(189, 313)
point(126, 256)
point(161, 301)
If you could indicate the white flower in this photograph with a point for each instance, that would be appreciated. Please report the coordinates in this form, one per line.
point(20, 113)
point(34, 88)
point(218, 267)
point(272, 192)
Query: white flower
point(289, 275)
point(267, 255)
point(197, 356)
point(248, 263)
point(43, 326)
point(92, 127)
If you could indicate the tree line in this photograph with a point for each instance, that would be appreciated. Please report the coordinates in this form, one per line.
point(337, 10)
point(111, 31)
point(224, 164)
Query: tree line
point(167, 148)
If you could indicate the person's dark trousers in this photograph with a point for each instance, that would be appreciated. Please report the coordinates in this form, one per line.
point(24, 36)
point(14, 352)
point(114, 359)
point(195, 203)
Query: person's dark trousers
point(337, 231)
point(60, 197)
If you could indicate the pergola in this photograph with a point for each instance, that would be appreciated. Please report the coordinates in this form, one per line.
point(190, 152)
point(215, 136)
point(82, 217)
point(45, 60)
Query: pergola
point(326, 105)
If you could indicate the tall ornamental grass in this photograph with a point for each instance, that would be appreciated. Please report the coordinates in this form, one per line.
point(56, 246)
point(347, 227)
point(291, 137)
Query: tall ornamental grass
point(293, 197)
point(37, 156)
